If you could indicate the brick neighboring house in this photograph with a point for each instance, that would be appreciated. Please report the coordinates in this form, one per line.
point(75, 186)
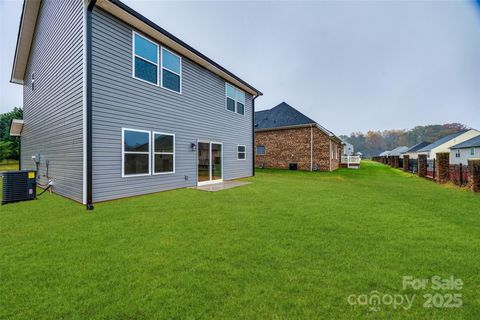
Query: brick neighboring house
point(283, 135)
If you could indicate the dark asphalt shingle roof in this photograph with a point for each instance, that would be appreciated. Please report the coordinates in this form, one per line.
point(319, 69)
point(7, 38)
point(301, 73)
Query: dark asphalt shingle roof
point(474, 142)
point(282, 115)
point(442, 141)
point(417, 147)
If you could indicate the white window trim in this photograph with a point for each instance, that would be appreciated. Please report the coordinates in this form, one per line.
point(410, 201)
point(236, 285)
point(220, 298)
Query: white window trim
point(244, 102)
point(136, 152)
point(154, 153)
point(162, 67)
point(242, 145)
point(264, 150)
point(135, 55)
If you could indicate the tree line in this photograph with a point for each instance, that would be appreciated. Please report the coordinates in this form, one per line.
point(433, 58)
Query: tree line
point(9, 146)
point(374, 142)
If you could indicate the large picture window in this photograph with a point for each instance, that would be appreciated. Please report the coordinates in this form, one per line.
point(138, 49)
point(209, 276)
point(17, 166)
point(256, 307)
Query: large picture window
point(145, 59)
point(135, 152)
point(171, 71)
point(163, 153)
point(235, 99)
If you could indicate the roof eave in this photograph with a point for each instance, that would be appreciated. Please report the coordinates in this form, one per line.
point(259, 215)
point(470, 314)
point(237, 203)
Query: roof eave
point(306, 125)
point(26, 29)
point(138, 21)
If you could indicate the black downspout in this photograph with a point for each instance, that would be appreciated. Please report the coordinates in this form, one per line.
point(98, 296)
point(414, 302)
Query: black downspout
point(90, 7)
point(253, 134)
point(20, 152)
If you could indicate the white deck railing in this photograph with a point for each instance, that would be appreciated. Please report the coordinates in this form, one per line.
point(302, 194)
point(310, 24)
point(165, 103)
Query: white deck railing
point(353, 161)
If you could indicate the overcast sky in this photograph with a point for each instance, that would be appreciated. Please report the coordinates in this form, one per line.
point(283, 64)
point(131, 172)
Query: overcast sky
point(348, 65)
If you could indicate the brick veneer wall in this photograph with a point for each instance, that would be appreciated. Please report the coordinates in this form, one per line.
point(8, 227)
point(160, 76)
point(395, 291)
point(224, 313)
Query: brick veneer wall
point(442, 167)
point(474, 174)
point(422, 165)
point(284, 146)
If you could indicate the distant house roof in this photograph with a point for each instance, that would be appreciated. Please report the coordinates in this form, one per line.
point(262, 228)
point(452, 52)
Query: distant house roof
point(398, 151)
point(417, 147)
point(474, 142)
point(384, 153)
point(442, 141)
point(346, 142)
point(284, 115)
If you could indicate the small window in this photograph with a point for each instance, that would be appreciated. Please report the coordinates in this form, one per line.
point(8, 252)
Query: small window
point(457, 153)
point(33, 81)
point(171, 71)
point(241, 152)
point(260, 150)
point(145, 59)
point(163, 153)
point(136, 152)
point(235, 99)
point(472, 151)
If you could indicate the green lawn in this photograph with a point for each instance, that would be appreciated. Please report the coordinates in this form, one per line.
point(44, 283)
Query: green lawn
point(8, 165)
point(289, 245)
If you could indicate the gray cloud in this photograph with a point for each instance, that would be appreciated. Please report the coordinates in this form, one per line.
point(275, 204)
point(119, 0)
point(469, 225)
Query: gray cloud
point(348, 65)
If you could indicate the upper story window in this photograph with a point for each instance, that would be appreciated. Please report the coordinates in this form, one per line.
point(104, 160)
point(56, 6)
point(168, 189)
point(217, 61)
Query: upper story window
point(171, 71)
point(472, 151)
point(457, 153)
point(235, 99)
point(145, 56)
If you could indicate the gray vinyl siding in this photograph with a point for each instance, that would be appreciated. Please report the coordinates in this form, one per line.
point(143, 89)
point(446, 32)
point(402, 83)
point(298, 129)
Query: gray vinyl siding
point(120, 101)
point(53, 112)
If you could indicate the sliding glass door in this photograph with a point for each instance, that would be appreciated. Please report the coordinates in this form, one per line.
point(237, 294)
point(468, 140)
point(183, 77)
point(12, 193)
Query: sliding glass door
point(210, 162)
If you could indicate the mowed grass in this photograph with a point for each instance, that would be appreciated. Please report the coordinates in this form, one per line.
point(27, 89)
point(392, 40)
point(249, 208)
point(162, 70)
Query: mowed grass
point(8, 165)
point(291, 245)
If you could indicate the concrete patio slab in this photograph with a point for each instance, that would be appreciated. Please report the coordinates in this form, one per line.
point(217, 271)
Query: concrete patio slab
point(221, 186)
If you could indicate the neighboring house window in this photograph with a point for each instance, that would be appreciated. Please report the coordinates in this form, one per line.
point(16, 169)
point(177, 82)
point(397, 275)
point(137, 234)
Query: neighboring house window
point(472, 151)
point(163, 153)
point(260, 150)
point(33, 81)
point(135, 152)
point(171, 71)
point(241, 152)
point(235, 99)
point(145, 59)
point(457, 153)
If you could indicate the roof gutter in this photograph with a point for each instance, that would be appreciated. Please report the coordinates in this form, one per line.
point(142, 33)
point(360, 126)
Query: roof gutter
point(136, 20)
point(26, 29)
point(89, 157)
